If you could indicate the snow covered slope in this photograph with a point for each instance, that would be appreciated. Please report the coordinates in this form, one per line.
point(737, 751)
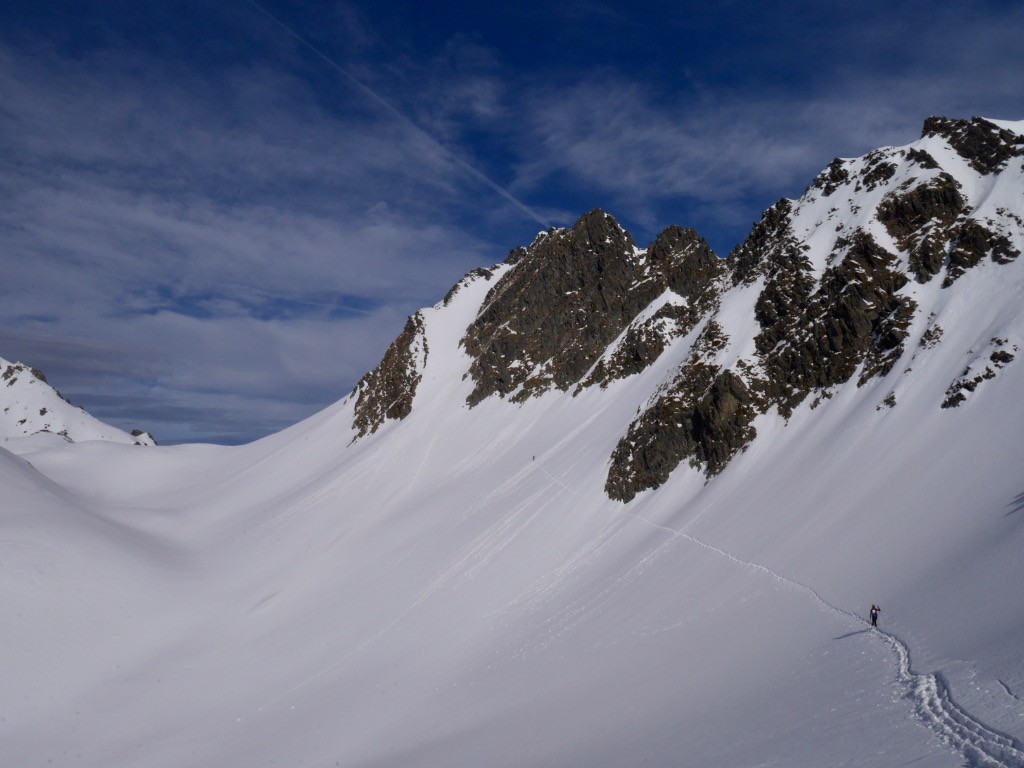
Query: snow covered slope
point(652, 542)
point(29, 406)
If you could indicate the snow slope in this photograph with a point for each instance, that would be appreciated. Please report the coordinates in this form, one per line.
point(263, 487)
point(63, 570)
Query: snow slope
point(29, 407)
point(457, 589)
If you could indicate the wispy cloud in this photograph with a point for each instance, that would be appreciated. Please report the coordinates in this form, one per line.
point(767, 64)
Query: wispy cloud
point(234, 230)
point(720, 152)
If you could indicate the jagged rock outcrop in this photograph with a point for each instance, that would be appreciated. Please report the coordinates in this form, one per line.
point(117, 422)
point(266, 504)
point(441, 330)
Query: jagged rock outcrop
point(972, 243)
point(920, 219)
point(983, 144)
point(388, 391)
point(855, 317)
point(834, 176)
point(681, 261)
point(547, 321)
point(984, 367)
point(771, 242)
point(878, 170)
point(13, 370)
point(810, 339)
point(703, 416)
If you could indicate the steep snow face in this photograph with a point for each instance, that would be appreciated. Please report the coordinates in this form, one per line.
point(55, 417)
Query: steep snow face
point(453, 586)
point(30, 406)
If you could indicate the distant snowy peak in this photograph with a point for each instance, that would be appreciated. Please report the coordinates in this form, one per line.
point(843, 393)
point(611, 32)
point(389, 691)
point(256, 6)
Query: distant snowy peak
point(833, 289)
point(30, 406)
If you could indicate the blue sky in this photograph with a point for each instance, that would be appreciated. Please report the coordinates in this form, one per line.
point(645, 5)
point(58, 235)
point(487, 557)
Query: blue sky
point(216, 216)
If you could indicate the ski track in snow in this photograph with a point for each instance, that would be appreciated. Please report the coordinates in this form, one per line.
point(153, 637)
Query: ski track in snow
point(980, 745)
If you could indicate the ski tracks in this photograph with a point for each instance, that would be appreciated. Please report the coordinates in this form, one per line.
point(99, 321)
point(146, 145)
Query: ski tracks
point(980, 745)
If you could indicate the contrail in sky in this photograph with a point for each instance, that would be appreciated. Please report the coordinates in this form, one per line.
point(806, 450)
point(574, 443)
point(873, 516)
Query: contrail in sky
point(472, 171)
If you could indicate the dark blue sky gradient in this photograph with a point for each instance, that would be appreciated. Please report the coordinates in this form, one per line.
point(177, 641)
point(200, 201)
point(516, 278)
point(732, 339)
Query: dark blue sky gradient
point(214, 232)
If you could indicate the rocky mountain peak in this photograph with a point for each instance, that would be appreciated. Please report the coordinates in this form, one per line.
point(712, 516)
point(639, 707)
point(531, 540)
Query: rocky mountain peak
point(841, 310)
point(546, 321)
point(549, 320)
point(685, 261)
point(983, 144)
point(599, 232)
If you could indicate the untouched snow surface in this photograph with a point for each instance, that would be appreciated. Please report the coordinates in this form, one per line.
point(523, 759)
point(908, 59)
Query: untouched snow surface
point(457, 590)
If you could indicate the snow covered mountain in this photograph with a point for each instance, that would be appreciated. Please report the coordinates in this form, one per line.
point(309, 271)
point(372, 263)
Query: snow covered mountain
point(602, 505)
point(30, 406)
point(834, 287)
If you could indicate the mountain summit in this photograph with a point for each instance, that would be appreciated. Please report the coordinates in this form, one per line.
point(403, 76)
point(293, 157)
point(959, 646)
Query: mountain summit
point(30, 406)
point(852, 283)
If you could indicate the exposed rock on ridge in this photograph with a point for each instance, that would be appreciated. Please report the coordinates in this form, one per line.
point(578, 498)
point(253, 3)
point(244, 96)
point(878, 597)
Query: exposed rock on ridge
point(569, 296)
point(983, 144)
point(819, 326)
point(387, 392)
point(681, 261)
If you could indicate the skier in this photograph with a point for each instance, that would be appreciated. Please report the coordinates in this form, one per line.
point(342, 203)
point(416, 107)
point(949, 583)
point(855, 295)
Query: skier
point(875, 610)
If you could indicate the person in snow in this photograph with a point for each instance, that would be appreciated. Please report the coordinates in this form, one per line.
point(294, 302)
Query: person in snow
point(875, 610)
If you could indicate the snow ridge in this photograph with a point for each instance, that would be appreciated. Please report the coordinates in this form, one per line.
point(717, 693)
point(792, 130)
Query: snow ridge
point(981, 745)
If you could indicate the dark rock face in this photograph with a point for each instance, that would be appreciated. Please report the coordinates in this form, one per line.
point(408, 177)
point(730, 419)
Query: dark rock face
point(547, 320)
point(10, 374)
point(703, 416)
point(786, 294)
point(681, 261)
point(853, 317)
point(833, 177)
point(387, 392)
point(973, 242)
point(921, 219)
point(984, 145)
point(771, 241)
point(877, 171)
point(685, 262)
point(921, 158)
point(643, 344)
point(814, 335)
point(569, 296)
